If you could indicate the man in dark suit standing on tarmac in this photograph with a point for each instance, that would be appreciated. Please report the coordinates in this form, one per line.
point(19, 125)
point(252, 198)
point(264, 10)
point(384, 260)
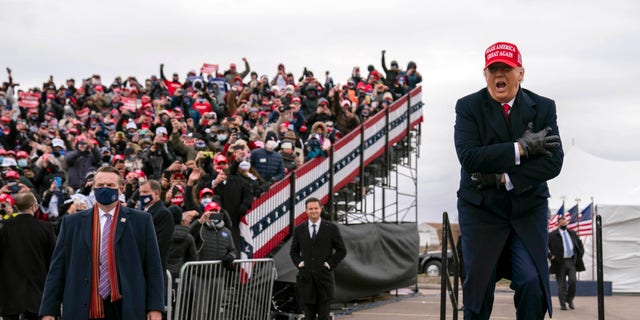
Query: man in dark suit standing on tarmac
point(565, 253)
point(508, 145)
point(316, 249)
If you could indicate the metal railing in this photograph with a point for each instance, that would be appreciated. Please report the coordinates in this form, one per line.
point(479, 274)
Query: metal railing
point(209, 290)
point(445, 284)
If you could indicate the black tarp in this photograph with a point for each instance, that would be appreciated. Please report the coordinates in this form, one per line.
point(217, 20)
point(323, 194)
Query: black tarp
point(380, 257)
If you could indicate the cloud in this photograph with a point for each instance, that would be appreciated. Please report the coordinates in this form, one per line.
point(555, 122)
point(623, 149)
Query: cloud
point(582, 56)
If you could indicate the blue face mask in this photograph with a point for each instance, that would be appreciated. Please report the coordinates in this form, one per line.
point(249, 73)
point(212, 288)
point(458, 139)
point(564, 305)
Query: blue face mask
point(23, 163)
point(222, 137)
point(205, 201)
point(144, 200)
point(106, 195)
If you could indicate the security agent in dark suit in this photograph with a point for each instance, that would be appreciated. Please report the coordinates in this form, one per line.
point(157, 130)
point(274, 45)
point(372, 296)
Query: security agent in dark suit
point(123, 282)
point(508, 145)
point(316, 249)
point(150, 192)
point(565, 253)
point(26, 246)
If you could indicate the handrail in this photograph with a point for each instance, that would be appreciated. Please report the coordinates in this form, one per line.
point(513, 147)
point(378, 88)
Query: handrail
point(445, 284)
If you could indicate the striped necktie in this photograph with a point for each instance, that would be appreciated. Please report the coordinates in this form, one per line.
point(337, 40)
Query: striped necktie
point(104, 287)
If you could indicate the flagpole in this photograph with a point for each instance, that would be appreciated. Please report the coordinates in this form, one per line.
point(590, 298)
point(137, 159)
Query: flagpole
point(578, 227)
point(594, 213)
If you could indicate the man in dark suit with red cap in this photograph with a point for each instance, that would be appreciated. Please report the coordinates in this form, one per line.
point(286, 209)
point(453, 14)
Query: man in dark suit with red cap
point(508, 145)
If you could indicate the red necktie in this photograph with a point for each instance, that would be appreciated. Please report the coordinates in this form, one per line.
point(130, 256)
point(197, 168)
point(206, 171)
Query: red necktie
point(505, 109)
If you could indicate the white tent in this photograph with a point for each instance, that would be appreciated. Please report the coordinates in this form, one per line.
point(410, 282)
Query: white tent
point(615, 188)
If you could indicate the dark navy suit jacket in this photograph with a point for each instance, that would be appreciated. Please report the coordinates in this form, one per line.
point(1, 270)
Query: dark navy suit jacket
point(138, 261)
point(314, 281)
point(484, 142)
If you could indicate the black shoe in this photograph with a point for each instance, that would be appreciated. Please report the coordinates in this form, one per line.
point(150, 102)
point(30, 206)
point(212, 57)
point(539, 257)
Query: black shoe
point(571, 306)
point(563, 307)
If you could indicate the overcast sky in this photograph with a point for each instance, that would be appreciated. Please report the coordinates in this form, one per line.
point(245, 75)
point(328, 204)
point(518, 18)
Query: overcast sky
point(585, 55)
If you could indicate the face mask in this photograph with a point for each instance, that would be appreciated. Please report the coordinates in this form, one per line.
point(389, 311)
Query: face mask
point(106, 158)
point(106, 195)
point(222, 137)
point(200, 144)
point(205, 201)
point(219, 224)
point(144, 200)
point(1, 158)
point(177, 200)
point(563, 227)
point(23, 163)
point(270, 145)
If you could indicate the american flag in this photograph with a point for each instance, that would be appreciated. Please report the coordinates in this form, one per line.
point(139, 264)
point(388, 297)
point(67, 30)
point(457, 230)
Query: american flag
point(574, 218)
point(246, 252)
point(553, 222)
point(586, 221)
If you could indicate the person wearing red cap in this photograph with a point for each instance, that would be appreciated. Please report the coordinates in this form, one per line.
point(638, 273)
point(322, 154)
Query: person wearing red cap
point(6, 206)
point(234, 194)
point(508, 145)
point(230, 74)
point(213, 242)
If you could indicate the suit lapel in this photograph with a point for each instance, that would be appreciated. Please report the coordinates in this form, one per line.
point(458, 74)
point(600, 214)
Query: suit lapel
point(523, 113)
point(87, 226)
point(123, 216)
point(496, 119)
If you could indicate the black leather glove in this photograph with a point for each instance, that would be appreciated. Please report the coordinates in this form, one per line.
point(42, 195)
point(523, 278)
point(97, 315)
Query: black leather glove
point(538, 143)
point(486, 180)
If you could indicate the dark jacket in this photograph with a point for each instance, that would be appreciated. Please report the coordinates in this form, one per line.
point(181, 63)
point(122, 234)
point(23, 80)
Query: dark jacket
point(484, 143)
point(26, 246)
point(556, 250)
point(183, 250)
point(164, 226)
point(79, 163)
point(269, 164)
point(213, 243)
point(138, 262)
point(314, 281)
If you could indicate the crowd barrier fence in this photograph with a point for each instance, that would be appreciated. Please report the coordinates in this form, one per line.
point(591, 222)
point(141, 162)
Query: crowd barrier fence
point(209, 290)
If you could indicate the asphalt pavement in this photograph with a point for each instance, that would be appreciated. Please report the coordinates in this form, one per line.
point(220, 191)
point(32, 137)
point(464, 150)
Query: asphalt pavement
point(426, 305)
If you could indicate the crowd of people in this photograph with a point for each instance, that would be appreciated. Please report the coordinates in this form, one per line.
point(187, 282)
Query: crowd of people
point(205, 144)
point(252, 129)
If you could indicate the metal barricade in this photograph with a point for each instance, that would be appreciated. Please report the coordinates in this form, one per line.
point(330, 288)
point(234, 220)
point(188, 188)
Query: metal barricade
point(169, 284)
point(208, 290)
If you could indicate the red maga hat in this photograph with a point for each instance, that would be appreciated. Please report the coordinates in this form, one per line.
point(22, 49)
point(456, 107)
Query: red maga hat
point(503, 52)
point(205, 191)
point(212, 206)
